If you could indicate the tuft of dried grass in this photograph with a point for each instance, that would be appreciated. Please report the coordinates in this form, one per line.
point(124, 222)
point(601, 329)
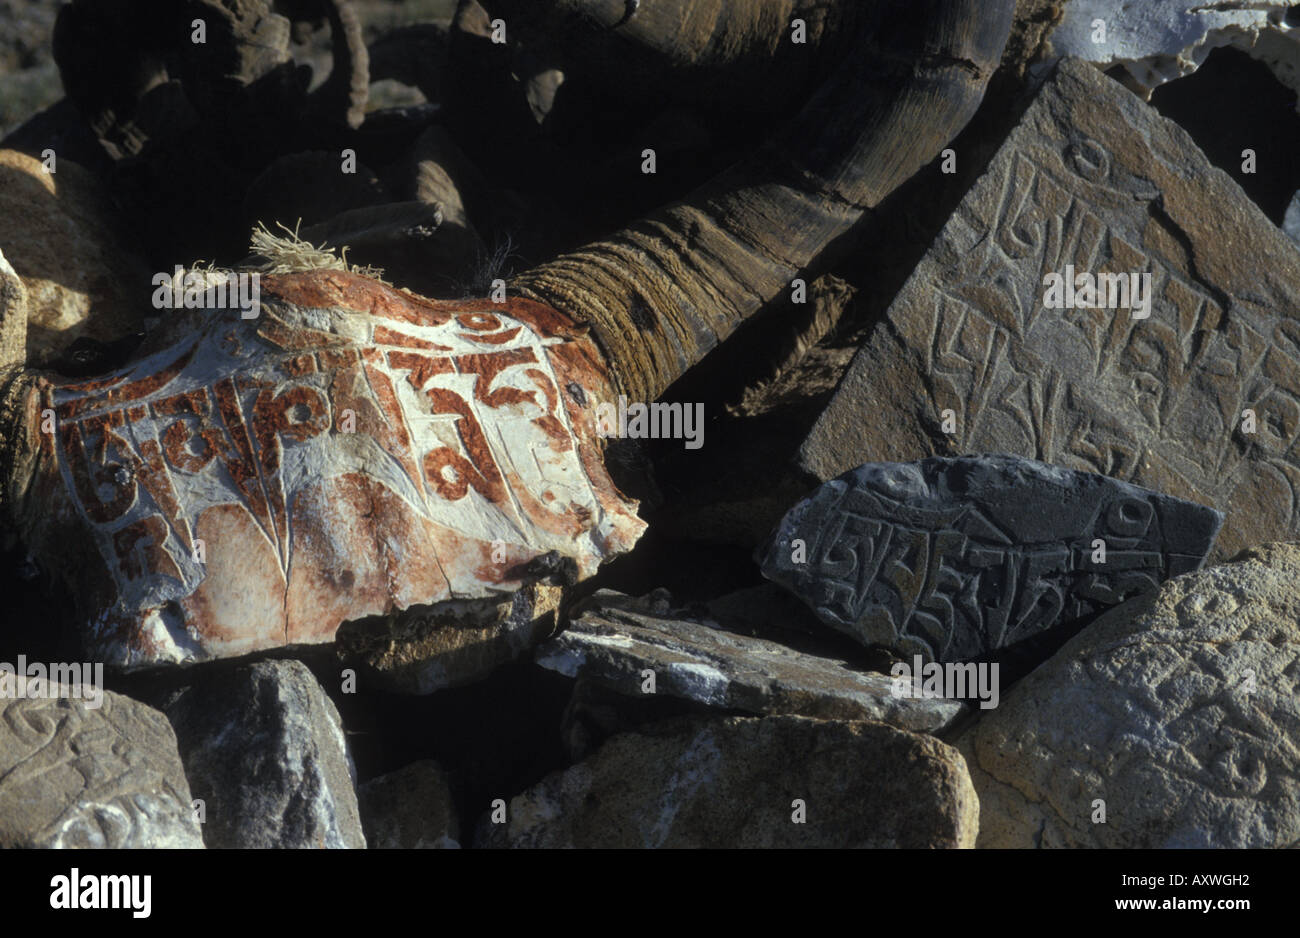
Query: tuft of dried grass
point(288, 253)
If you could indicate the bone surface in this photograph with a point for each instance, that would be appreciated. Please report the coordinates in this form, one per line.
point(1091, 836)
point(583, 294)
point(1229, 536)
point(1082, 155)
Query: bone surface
point(350, 452)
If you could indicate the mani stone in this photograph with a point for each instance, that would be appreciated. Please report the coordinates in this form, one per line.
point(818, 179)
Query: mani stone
point(1179, 712)
point(351, 451)
point(263, 748)
point(614, 642)
point(73, 775)
point(1200, 400)
point(745, 782)
point(954, 559)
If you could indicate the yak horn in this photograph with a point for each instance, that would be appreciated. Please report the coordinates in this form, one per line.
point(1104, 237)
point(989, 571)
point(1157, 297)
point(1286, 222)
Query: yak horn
point(664, 291)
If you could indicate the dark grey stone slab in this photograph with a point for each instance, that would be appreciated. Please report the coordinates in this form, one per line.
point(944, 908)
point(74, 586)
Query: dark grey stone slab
point(954, 559)
point(1199, 399)
point(263, 747)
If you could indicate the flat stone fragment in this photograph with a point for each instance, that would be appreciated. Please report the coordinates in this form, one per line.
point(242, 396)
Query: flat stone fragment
point(1095, 179)
point(741, 781)
point(457, 642)
point(263, 747)
point(954, 559)
point(410, 809)
point(1179, 710)
point(616, 640)
point(76, 775)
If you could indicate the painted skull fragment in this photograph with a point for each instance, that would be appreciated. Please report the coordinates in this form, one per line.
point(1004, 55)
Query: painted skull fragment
point(351, 451)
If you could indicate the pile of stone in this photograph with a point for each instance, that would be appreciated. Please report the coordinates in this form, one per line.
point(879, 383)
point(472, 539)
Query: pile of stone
point(903, 471)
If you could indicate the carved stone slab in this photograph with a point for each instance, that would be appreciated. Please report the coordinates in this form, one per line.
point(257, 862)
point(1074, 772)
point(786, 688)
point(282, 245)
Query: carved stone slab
point(1180, 710)
point(352, 451)
point(955, 558)
point(614, 642)
point(73, 775)
point(1096, 179)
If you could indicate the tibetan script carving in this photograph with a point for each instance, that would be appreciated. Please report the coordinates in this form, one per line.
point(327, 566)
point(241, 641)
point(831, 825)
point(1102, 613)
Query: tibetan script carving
point(954, 559)
point(1200, 398)
point(73, 775)
point(352, 451)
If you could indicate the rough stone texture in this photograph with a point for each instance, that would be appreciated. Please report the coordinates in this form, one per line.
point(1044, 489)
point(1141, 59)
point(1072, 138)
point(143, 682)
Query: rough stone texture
point(263, 747)
point(1096, 179)
point(26, 39)
point(955, 558)
point(1291, 224)
point(75, 776)
point(732, 783)
point(1160, 40)
point(56, 231)
point(420, 651)
point(13, 316)
point(1035, 20)
point(351, 452)
point(410, 809)
point(29, 79)
point(617, 638)
point(24, 93)
point(1181, 710)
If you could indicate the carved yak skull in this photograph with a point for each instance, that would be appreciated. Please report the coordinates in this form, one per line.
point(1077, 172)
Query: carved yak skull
point(356, 449)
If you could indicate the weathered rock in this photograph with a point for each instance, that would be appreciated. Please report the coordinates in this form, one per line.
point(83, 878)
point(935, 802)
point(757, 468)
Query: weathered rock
point(1035, 20)
point(1159, 40)
point(13, 316)
point(457, 642)
point(540, 90)
point(617, 639)
point(740, 782)
point(76, 775)
point(410, 809)
point(1291, 224)
point(953, 559)
point(263, 748)
point(26, 40)
point(26, 92)
point(1179, 710)
point(350, 452)
point(1096, 180)
point(56, 231)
